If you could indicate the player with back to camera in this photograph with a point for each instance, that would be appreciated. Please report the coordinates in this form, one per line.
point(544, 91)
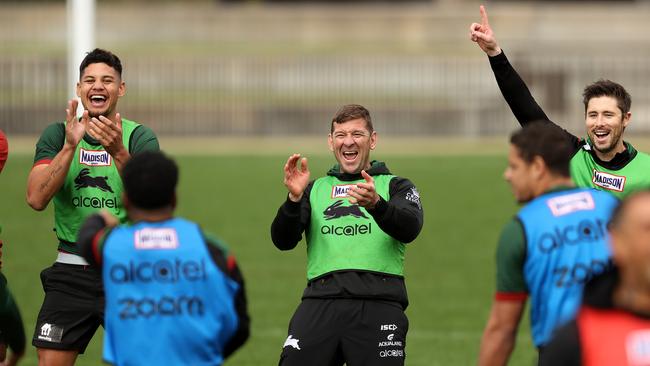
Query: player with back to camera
point(613, 324)
point(174, 296)
point(555, 243)
point(77, 165)
point(603, 160)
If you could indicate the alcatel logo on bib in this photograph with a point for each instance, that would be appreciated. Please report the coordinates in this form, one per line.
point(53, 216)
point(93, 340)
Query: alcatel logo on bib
point(609, 181)
point(94, 157)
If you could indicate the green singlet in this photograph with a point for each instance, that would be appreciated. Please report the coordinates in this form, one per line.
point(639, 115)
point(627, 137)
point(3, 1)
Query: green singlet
point(343, 236)
point(93, 183)
point(635, 175)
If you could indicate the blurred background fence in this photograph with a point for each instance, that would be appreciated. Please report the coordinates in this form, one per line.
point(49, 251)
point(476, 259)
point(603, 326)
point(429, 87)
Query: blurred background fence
point(207, 68)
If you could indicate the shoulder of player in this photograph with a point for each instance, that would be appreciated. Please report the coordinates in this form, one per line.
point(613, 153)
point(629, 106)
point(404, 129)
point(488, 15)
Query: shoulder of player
point(142, 139)
point(49, 143)
point(54, 131)
point(400, 183)
point(220, 254)
point(641, 157)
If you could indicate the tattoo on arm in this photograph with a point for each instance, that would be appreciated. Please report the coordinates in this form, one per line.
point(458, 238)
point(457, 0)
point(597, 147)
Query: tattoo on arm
point(55, 171)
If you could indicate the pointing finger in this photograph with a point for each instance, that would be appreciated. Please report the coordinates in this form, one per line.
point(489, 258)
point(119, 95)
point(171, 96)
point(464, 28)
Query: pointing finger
point(484, 16)
point(367, 177)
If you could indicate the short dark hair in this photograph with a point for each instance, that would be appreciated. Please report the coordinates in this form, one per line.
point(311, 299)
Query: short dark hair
point(546, 140)
point(150, 179)
point(99, 55)
point(351, 112)
point(608, 88)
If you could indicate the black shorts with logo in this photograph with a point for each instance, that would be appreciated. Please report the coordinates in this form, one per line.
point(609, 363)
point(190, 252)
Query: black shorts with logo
point(73, 307)
point(357, 332)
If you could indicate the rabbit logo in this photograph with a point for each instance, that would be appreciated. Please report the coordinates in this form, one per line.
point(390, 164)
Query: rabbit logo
point(84, 180)
point(337, 210)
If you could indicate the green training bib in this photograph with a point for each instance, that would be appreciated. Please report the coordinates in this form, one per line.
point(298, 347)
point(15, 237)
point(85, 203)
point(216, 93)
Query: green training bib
point(343, 236)
point(92, 184)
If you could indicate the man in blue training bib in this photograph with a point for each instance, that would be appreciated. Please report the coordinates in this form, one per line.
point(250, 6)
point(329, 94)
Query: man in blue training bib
point(554, 244)
point(174, 296)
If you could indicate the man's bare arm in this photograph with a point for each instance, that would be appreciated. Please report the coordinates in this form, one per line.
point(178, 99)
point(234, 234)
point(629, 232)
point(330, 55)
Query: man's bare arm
point(500, 333)
point(46, 179)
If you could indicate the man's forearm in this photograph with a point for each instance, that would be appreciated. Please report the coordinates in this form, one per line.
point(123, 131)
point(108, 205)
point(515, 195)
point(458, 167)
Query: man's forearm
point(399, 220)
point(92, 226)
point(287, 228)
point(496, 347)
point(121, 158)
point(43, 183)
point(401, 217)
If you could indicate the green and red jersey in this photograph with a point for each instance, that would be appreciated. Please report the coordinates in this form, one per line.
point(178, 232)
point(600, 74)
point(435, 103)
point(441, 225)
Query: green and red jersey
point(92, 182)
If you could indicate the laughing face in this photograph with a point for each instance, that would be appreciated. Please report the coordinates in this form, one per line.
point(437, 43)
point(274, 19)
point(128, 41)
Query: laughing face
point(605, 125)
point(99, 88)
point(351, 143)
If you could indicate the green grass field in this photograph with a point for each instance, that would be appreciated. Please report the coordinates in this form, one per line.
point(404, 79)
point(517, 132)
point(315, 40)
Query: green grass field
point(449, 268)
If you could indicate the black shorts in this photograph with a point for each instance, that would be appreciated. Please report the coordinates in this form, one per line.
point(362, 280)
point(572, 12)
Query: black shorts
point(331, 332)
point(73, 307)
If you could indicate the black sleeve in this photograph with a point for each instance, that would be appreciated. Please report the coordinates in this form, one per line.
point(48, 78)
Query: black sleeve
point(564, 348)
point(401, 216)
point(227, 263)
point(518, 96)
point(515, 91)
point(88, 241)
point(291, 221)
point(12, 331)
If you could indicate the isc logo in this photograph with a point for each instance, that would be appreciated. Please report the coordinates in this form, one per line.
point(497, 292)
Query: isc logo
point(388, 327)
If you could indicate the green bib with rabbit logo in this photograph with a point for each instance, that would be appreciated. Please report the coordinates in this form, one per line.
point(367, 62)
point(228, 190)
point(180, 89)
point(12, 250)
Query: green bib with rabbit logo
point(343, 236)
point(92, 184)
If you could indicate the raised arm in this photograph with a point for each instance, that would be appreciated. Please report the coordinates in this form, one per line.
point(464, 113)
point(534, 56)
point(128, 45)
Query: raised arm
point(512, 87)
point(47, 176)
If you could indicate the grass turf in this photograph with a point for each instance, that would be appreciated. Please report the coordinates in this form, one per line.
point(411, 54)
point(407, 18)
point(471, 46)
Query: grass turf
point(449, 268)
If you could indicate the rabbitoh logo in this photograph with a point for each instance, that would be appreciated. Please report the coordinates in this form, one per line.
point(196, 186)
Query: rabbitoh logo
point(84, 180)
point(337, 210)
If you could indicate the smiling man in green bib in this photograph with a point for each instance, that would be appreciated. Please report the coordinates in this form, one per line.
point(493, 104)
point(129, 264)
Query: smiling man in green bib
point(77, 165)
point(602, 160)
point(356, 220)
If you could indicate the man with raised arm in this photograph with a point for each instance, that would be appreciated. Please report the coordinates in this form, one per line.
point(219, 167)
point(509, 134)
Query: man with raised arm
point(603, 160)
point(356, 221)
point(77, 165)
